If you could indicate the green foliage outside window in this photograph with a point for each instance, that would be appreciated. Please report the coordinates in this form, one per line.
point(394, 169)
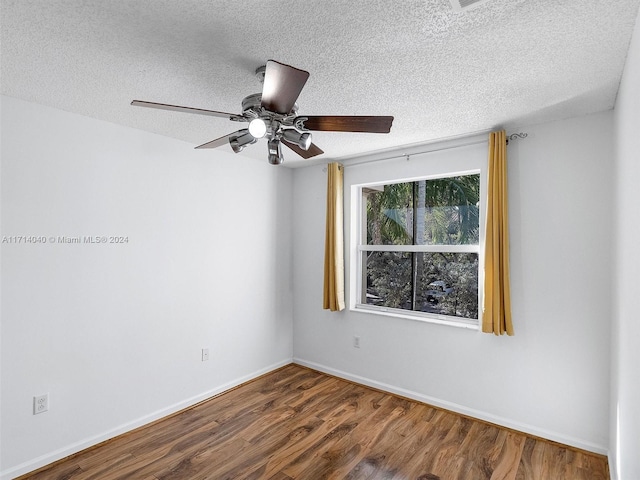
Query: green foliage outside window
point(438, 212)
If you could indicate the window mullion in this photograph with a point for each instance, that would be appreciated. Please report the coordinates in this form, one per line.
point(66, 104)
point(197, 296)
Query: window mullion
point(414, 255)
point(420, 248)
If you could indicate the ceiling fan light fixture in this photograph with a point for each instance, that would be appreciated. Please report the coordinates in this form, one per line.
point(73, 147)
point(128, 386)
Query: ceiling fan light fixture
point(238, 142)
point(303, 140)
point(275, 152)
point(257, 128)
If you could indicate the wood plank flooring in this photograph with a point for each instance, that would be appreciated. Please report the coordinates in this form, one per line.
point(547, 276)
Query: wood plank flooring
point(297, 423)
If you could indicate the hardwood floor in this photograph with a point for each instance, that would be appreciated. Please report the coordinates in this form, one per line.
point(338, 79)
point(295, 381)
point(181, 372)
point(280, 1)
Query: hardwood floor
point(296, 423)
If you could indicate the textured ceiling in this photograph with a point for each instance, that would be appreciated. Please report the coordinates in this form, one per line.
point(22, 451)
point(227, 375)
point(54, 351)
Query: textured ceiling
point(441, 73)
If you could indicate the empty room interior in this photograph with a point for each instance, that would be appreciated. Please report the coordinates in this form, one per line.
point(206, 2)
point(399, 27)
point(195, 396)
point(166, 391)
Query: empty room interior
point(333, 232)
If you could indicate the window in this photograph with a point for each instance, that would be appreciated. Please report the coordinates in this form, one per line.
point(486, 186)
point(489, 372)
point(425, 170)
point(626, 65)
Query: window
point(419, 248)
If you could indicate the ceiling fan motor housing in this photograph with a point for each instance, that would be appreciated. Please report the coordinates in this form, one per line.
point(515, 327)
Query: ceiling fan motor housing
point(251, 104)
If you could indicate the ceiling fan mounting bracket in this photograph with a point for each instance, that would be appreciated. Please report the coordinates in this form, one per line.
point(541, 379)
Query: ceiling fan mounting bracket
point(298, 123)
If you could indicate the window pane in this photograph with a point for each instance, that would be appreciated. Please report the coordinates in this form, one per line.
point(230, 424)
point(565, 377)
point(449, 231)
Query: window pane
point(388, 279)
point(390, 215)
point(447, 284)
point(448, 211)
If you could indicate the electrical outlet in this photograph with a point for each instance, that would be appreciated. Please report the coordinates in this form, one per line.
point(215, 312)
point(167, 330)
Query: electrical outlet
point(40, 403)
point(205, 354)
point(356, 341)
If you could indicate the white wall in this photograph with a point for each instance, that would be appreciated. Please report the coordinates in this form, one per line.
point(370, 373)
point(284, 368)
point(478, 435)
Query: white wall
point(552, 377)
point(114, 332)
point(624, 457)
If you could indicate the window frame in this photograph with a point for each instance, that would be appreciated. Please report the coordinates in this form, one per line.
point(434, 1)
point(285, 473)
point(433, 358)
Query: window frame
point(360, 246)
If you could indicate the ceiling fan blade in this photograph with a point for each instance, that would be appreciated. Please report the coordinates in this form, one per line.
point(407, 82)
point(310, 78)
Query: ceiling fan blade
point(218, 142)
point(311, 152)
point(337, 123)
point(178, 108)
point(282, 86)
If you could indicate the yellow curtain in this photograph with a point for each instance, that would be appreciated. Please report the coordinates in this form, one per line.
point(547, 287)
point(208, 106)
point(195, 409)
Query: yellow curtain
point(496, 316)
point(334, 241)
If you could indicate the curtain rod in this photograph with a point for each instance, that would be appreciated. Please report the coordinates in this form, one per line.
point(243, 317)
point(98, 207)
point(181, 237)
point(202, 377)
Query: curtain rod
point(407, 155)
point(475, 141)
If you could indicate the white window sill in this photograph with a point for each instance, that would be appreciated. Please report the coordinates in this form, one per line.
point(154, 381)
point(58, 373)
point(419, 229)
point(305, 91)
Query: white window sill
point(419, 317)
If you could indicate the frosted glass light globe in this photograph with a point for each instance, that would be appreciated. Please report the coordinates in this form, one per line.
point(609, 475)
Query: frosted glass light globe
point(257, 128)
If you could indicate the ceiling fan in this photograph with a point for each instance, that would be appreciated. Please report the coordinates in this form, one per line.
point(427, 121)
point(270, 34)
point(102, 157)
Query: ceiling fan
point(273, 114)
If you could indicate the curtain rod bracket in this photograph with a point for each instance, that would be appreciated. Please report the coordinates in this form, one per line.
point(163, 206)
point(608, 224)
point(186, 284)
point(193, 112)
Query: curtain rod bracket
point(513, 136)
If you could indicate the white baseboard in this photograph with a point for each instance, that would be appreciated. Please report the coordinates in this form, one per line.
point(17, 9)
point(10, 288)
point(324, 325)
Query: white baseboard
point(61, 453)
point(454, 407)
